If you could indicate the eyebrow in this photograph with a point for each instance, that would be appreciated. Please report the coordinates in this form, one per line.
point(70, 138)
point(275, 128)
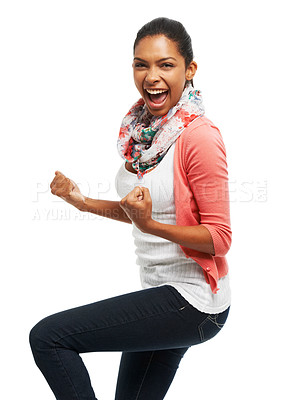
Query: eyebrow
point(162, 59)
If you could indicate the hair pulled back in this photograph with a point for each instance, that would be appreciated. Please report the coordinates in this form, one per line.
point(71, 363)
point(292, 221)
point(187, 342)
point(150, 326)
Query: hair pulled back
point(173, 30)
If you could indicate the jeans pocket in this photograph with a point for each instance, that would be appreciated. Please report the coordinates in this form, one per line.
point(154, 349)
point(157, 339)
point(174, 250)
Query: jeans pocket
point(212, 325)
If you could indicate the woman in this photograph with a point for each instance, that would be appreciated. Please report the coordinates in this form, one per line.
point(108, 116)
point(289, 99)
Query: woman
point(174, 192)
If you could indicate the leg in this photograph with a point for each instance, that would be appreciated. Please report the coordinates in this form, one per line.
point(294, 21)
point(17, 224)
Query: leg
point(147, 375)
point(152, 319)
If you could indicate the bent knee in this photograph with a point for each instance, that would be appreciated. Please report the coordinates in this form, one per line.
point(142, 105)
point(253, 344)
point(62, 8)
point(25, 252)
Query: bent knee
point(41, 335)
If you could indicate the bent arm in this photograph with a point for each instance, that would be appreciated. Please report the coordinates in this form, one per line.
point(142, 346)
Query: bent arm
point(138, 206)
point(205, 167)
point(207, 175)
point(67, 189)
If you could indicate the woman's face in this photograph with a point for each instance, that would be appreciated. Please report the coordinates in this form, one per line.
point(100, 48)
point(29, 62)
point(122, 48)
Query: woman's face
point(160, 73)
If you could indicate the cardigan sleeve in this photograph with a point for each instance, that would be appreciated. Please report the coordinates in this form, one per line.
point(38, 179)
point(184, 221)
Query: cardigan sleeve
point(206, 166)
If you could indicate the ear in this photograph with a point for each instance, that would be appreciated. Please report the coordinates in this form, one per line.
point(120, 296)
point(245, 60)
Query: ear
point(191, 71)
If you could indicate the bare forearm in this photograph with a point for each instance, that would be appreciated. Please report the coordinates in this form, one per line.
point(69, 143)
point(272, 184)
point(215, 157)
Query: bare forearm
point(105, 208)
point(194, 237)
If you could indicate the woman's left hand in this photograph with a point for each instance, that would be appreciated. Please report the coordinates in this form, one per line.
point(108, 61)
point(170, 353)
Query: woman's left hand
point(138, 206)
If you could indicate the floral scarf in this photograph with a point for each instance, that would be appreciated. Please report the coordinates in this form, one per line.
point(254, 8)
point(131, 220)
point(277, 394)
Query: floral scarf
point(144, 139)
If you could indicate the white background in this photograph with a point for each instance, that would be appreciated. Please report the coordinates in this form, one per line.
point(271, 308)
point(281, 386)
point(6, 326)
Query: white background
point(66, 83)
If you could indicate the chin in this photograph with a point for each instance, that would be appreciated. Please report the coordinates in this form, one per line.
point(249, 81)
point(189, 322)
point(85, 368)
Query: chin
point(157, 113)
point(160, 111)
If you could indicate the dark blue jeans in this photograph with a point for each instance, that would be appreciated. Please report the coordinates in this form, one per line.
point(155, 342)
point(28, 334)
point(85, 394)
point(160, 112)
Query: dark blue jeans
point(153, 328)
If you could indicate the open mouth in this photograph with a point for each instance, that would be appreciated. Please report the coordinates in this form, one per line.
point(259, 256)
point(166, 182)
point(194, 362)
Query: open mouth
point(156, 97)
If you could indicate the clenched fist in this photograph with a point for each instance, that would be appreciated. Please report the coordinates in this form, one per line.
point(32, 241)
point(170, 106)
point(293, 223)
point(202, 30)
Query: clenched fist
point(66, 189)
point(138, 207)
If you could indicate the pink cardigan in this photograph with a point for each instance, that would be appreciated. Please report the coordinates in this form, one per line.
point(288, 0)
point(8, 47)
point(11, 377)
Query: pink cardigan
point(201, 193)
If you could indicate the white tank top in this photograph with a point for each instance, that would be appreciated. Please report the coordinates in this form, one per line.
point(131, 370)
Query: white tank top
point(161, 261)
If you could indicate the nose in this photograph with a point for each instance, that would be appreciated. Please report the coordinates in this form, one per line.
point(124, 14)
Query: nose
point(152, 76)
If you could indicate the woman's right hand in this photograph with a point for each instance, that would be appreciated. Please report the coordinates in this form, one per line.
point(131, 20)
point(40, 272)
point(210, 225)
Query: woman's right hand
point(66, 189)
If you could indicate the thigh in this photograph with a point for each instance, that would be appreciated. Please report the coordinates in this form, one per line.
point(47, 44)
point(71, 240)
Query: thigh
point(147, 375)
point(151, 319)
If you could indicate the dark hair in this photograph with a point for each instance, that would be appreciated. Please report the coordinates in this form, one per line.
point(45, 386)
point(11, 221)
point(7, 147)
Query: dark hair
point(173, 30)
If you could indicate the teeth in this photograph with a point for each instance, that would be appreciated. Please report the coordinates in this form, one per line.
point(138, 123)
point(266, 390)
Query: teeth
point(156, 91)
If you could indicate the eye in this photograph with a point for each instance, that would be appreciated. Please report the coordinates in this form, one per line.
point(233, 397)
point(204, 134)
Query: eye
point(139, 65)
point(167, 65)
